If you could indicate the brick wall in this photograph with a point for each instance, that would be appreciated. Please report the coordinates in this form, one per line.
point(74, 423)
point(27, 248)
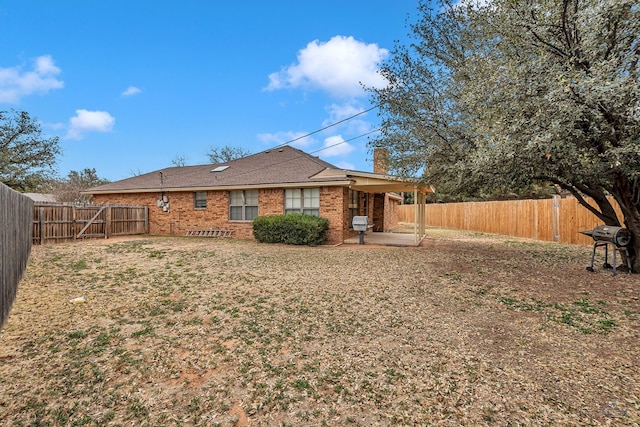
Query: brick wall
point(390, 213)
point(182, 215)
point(385, 213)
point(334, 206)
point(378, 212)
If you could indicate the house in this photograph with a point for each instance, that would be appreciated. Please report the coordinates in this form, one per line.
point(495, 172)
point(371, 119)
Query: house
point(273, 182)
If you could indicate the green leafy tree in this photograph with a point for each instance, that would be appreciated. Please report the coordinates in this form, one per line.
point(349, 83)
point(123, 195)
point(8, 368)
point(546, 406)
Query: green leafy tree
point(502, 96)
point(27, 158)
point(70, 189)
point(226, 154)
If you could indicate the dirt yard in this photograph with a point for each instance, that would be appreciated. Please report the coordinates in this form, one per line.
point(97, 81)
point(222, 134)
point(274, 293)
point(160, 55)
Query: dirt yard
point(464, 330)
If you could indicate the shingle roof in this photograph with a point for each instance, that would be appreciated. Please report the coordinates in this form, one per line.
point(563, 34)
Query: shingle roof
point(41, 197)
point(284, 165)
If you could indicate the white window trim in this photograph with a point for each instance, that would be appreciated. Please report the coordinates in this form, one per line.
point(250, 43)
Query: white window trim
point(302, 198)
point(244, 205)
point(195, 200)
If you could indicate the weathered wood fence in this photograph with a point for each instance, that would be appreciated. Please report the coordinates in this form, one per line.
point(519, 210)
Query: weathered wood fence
point(15, 244)
point(61, 222)
point(557, 219)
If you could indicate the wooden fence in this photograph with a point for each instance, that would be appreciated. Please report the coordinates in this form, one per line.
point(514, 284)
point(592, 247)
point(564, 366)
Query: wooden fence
point(61, 222)
point(557, 219)
point(15, 244)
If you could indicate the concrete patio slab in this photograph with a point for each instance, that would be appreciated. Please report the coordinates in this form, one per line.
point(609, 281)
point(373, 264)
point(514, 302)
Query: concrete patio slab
point(385, 239)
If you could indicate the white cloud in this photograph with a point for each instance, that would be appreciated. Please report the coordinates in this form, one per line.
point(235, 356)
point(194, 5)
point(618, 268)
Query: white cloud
point(340, 66)
point(16, 83)
point(335, 146)
point(131, 90)
point(54, 126)
point(44, 65)
point(338, 112)
point(345, 165)
point(282, 137)
point(89, 121)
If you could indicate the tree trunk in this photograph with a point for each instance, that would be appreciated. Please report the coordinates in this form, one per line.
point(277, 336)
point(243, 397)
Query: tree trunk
point(631, 211)
point(634, 250)
point(608, 215)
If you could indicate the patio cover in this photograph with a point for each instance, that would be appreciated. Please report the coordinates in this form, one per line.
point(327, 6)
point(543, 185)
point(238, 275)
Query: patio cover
point(378, 183)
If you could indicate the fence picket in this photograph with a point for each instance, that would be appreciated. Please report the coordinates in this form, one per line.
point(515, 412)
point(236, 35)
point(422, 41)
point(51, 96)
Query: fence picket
point(63, 222)
point(16, 211)
point(557, 219)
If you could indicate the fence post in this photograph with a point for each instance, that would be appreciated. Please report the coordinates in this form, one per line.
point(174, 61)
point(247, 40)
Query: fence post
point(42, 222)
point(74, 216)
point(146, 220)
point(107, 223)
point(536, 233)
point(555, 218)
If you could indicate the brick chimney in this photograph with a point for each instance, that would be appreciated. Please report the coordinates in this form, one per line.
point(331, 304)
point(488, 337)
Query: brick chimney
point(381, 161)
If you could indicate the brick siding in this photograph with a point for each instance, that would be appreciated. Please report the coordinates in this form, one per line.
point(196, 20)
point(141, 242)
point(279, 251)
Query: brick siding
point(384, 211)
point(183, 216)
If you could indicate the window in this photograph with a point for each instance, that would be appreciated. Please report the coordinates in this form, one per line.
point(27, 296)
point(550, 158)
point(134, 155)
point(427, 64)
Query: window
point(243, 205)
point(365, 203)
point(354, 205)
point(302, 200)
point(200, 199)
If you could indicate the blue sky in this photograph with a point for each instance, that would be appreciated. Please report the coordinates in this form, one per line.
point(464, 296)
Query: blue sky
point(129, 86)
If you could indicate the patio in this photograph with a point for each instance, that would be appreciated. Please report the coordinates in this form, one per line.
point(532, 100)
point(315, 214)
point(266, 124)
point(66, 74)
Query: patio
point(387, 239)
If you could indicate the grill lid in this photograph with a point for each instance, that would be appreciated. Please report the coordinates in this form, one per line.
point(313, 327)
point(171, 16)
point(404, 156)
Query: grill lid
point(608, 233)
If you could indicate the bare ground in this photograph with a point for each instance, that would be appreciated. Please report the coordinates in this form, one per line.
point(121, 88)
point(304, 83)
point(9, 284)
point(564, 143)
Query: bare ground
point(464, 330)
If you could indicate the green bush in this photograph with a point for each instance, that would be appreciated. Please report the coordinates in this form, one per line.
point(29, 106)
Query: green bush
point(292, 229)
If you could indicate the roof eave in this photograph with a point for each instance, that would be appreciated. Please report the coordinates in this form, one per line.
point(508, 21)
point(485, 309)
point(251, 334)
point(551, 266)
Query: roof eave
point(377, 183)
point(341, 183)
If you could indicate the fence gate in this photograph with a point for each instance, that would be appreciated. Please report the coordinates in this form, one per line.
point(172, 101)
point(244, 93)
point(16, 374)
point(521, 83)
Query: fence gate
point(61, 222)
point(94, 226)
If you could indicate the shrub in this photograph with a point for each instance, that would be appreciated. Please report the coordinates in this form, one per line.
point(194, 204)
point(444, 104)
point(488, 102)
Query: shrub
point(292, 229)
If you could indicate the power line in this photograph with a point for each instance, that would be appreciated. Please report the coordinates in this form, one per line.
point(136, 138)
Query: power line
point(312, 152)
point(326, 127)
point(342, 142)
point(320, 130)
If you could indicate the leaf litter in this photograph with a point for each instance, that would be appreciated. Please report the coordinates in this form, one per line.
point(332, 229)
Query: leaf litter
point(465, 329)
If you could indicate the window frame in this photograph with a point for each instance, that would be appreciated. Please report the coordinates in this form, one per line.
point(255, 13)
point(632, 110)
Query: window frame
point(354, 205)
point(197, 199)
point(304, 201)
point(245, 196)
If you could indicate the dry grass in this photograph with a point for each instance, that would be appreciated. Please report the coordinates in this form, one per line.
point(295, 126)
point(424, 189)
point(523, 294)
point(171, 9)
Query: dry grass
point(464, 330)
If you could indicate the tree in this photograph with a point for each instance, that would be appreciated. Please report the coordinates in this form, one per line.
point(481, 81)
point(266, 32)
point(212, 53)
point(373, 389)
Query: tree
point(179, 161)
point(27, 159)
point(226, 154)
point(504, 95)
point(70, 189)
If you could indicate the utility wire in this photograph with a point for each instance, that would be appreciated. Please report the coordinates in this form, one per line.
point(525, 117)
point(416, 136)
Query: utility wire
point(326, 127)
point(312, 152)
point(301, 155)
point(320, 130)
point(342, 142)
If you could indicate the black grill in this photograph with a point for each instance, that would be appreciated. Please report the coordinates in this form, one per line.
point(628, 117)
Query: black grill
point(605, 235)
